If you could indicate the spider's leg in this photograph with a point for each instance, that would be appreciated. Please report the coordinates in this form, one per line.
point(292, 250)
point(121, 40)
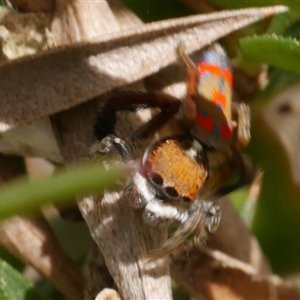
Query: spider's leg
point(111, 150)
point(132, 101)
point(182, 55)
point(189, 108)
point(168, 105)
point(111, 143)
point(244, 169)
point(241, 114)
point(201, 217)
point(213, 217)
point(105, 122)
point(139, 192)
point(134, 196)
point(123, 148)
point(159, 213)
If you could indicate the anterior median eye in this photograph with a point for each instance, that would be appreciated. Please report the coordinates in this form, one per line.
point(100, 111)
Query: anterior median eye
point(171, 192)
point(155, 179)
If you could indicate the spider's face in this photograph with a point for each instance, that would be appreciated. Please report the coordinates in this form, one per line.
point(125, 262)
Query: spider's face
point(212, 95)
point(170, 186)
point(176, 168)
point(172, 177)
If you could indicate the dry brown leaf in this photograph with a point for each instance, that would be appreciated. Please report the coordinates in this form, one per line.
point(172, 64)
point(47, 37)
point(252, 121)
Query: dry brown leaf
point(34, 87)
point(23, 34)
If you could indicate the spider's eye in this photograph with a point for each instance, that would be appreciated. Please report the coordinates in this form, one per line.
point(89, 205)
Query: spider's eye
point(155, 179)
point(186, 199)
point(170, 192)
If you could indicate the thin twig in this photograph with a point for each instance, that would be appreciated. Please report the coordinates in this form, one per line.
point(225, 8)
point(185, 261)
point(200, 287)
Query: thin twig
point(215, 275)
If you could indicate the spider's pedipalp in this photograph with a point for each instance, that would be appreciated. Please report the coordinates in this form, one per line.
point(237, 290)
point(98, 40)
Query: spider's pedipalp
point(203, 217)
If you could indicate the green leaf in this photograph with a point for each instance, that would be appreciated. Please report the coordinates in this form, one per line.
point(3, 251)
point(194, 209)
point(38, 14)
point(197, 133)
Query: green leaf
point(242, 203)
point(177, 293)
point(14, 286)
point(293, 30)
point(23, 196)
point(276, 223)
point(282, 22)
point(274, 50)
point(278, 82)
